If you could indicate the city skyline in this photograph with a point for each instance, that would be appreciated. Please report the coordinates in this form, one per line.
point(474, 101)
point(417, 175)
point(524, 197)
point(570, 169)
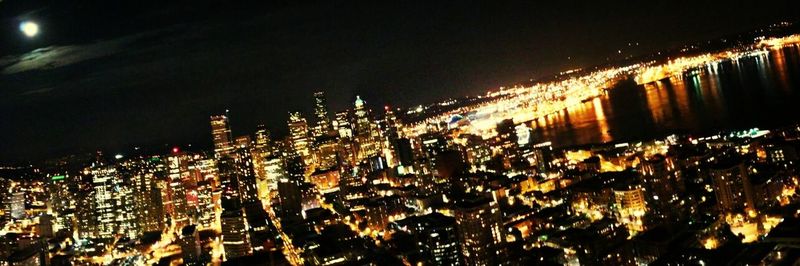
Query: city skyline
point(529, 41)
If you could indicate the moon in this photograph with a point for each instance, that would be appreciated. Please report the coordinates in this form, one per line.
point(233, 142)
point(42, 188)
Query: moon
point(29, 28)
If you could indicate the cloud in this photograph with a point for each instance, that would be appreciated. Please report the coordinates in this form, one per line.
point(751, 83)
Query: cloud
point(59, 56)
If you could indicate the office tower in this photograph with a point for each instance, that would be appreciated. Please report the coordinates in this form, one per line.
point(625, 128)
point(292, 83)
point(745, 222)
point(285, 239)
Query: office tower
point(262, 140)
point(660, 181)
point(61, 198)
point(242, 142)
point(229, 182)
point(275, 170)
point(298, 136)
point(261, 151)
point(206, 169)
point(631, 206)
point(289, 187)
point(243, 163)
point(17, 204)
point(190, 245)
point(437, 238)
point(367, 137)
point(86, 221)
point(479, 226)
point(147, 203)
point(45, 227)
point(507, 138)
point(342, 125)
point(107, 202)
point(321, 112)
point(732, 186)
point(234, 234)
point(404, 152)
point(178, 175)
point(326, 150)
point(221, 132)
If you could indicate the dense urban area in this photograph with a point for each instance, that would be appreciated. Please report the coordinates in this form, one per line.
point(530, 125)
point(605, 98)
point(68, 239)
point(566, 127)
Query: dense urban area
point(467, 184)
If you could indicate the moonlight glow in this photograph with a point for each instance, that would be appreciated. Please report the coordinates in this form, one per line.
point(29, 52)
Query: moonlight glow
point(29, 28)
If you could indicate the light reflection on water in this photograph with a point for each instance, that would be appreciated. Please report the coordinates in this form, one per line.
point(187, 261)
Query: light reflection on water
point(761, 91)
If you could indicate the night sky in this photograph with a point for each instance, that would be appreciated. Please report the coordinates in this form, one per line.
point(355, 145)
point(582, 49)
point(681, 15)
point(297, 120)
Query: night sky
point(116, 74)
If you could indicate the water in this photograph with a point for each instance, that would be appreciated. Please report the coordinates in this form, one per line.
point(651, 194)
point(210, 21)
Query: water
point(761, 91)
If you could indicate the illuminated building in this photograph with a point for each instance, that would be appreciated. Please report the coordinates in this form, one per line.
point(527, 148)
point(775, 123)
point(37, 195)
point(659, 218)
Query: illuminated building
point(190, 245)
point(326, 151)
point(342, 125)
point(261, 151)
point(298, 136)
point(274, 171)
point(326, 180)
point(146, 194)
point(17, 204)
point(479, 226)
point(436, 237)
point(631, 206)
point(221, 132)
point(244, 173)
point(107, 201)
point(660, 180)
point(205, 204)
point(367, 137)
point(289, 187)
point(321, 112)
point(234, 234)
point(732, 186)
point(178, 175)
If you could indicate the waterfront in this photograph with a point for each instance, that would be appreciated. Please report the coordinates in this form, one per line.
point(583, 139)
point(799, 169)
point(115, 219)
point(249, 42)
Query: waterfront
point(758, 91)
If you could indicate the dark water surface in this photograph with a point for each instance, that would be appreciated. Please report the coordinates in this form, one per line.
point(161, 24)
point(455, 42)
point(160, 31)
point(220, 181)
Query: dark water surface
point(759, 91)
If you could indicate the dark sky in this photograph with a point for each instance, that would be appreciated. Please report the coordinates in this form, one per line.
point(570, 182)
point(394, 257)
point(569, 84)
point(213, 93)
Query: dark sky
point(114, 74)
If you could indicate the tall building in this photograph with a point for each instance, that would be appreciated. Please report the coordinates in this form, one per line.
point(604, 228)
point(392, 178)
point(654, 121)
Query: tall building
point(660, 180)
point(221, 131)
point(342, 125)
point(437, 238)
point(178, 176)
point(367, 136)
point(323, 125)
point(107, 202)
point(190, 245)
point(146, 193)
point(243, 162)
point(479, 225)
point(298, 136)
point(234, 234)
point(631, 206)
point(289, 187)
point(17, 204)
point(732, 186)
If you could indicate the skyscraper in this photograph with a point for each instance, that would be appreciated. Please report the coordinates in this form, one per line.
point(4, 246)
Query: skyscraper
point(221, 131)
point(321, 112)
point(298, 136)
point(178, 167)
point(105, 181)
point(146, 193)
point(479, 224)
point(289, 187)
point(234, 234)
point(732, 186)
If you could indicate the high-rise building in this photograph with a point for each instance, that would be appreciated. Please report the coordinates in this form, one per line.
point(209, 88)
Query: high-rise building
point(17, 204)
point(146, 193)
point(323, 125)
point(221, 131)
point(190, 245)
point(178, 176)
point(298, 136)
point(289, 187)
point(479, 225)
point(732, 186)
point(437, 238)
point(660, 180)
point(342, 125)
point(631, 207)
point(234, 234)
point(243, 162)
point(367, 136)
point(107, 201)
